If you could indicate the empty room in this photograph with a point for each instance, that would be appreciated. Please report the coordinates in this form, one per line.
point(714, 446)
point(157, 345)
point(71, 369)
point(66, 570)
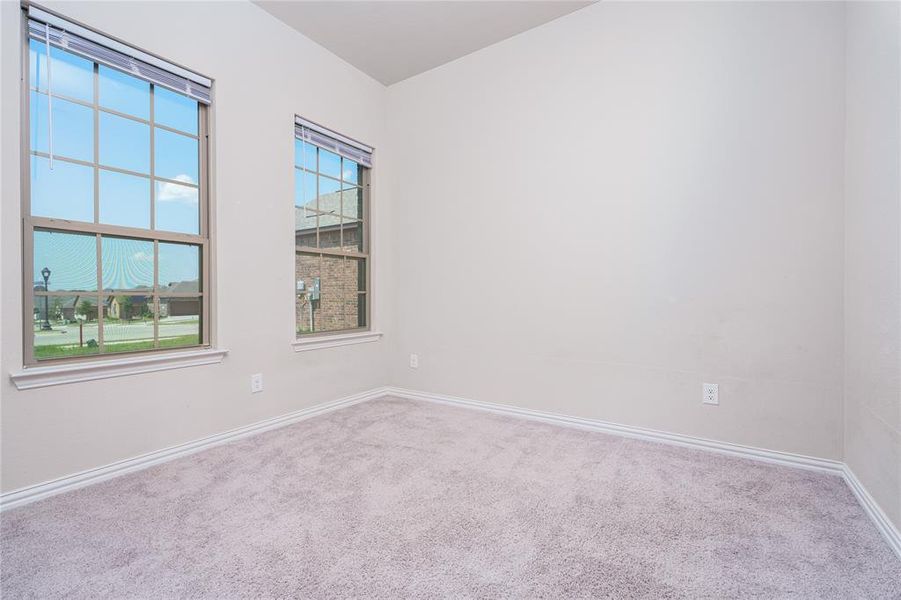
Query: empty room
point(450, 299)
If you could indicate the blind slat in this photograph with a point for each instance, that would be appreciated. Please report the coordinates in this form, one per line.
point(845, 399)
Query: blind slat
point(334, 142)
point(105, 54)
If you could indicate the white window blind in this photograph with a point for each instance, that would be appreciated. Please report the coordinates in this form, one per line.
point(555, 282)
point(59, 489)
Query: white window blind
point(335, 142)
point(99, 48)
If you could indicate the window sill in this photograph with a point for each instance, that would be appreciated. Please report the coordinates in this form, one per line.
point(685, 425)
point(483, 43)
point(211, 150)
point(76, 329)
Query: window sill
point(37, 377)
point(331, 341)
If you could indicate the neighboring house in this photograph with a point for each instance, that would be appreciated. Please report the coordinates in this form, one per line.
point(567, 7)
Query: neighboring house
point(66, 308)
point(179, 306)
point(338, 306)
point(127, 307)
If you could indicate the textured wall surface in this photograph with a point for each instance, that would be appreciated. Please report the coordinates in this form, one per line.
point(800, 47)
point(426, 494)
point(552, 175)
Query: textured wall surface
point(873, 251)
point(633, 199)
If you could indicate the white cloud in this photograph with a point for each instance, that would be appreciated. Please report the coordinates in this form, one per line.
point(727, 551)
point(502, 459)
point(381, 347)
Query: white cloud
point(142, 257)
point(172, 192)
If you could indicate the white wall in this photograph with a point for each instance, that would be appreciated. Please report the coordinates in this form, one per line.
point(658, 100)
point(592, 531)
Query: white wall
point(873, 251)
point(599, 215)
point(264, 73)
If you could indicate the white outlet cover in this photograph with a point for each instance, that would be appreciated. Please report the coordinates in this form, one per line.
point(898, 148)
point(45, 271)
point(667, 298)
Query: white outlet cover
point(414, 361)
point(256, 383)
point(711, 393)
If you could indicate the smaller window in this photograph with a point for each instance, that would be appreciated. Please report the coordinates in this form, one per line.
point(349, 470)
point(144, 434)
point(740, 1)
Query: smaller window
point(331, 231)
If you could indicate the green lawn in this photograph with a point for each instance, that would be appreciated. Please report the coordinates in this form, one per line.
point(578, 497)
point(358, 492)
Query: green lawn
point(64, 350)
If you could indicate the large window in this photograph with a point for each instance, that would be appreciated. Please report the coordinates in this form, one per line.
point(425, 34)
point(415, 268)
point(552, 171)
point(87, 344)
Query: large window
point(331, 218)
point(115, 209)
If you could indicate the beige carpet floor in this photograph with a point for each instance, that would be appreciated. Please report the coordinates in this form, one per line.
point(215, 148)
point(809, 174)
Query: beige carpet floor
point(401, 499)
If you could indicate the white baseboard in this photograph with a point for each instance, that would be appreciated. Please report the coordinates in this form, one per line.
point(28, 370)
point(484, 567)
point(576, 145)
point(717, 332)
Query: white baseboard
point(824, 465)
point(876, 514)
point(71, 482)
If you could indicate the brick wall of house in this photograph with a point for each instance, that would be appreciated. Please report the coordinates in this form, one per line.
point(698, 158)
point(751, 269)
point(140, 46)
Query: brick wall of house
point(338, 305)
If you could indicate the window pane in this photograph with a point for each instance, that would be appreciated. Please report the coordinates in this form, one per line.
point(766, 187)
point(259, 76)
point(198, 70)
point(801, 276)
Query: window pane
point(352, 239)
point(124, 93)
point(176, 156)
point(308, 160)
point(338, 295)
point(361, 310)
point(71, 259)
point(180, 321)
point(304, 208)
point(124, 199)
point(350, 171)
point(124, 143)
point(304, 188)
point(73, 128)
point(329, 202)
point(64, 192)
point(127, 323)
point(70, 329)
point(127, 264)
point(329, 163)
point(72, 75)
point(179, 269)
point(174, 110)
point(304, 227)
point(355, 280)
point(177, 208)
point(306, 271)
point(330, 237)
point(352, 203)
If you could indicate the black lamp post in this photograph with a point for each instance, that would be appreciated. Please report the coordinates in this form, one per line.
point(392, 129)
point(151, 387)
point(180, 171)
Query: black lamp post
point(46, 324)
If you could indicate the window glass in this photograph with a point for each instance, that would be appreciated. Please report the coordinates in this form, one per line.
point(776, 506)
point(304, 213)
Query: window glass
point(124, 199)
point(124, 143)
point(350, 171)
point(73, 76)
point(179, 267)
point(329, 203)
point(308, 160)
point(127, 323)
point(176, 156)
point(124, 93)
point(65, 326)
point(64, 192)
point(175, 110)
point(70, 259)
point(179, 321)
point(127, 264)
point(177, 207)
point(352, 203)
point(73, 128)
point(329, 164)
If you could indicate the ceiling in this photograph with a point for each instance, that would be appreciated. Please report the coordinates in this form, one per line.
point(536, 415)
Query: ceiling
point(393, 40)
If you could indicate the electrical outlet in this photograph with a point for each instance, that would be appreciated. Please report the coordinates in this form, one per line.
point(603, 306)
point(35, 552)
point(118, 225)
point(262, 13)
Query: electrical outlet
point(414, 361)
point(711, 393)
point(256, 383)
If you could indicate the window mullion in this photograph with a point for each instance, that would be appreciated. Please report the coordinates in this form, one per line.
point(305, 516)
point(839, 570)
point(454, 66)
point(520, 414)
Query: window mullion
point(100, 332)
point(155, 296)
point(96, 115)
point(152, 161)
